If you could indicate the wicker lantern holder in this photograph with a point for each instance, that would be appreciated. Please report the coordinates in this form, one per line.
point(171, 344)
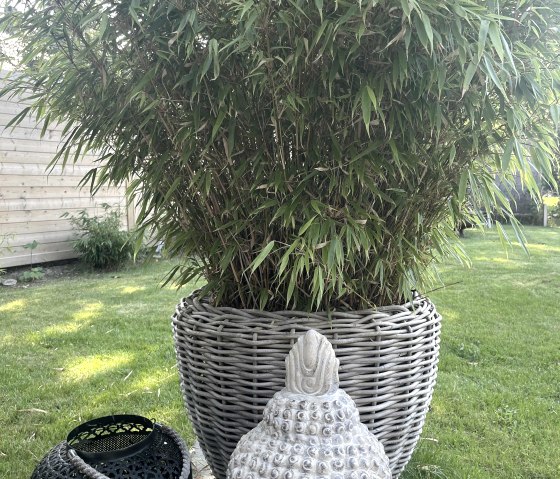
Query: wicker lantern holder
point(117, 447)
point(231, 362)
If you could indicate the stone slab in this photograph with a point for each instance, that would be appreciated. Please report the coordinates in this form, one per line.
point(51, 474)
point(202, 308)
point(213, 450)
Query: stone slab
point(200, 468)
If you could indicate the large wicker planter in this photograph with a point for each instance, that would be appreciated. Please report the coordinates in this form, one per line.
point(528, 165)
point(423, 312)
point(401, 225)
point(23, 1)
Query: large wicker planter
point(231, 362)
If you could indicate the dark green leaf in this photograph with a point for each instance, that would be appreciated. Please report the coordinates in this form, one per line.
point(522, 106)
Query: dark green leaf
point(469, 74)
point(482, 34)
point(262, 255)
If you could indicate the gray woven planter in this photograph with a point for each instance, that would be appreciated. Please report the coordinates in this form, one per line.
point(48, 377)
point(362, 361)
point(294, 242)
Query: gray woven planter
point(231, 362)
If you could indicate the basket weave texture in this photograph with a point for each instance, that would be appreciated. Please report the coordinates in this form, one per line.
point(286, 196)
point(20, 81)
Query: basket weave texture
point(231, 362)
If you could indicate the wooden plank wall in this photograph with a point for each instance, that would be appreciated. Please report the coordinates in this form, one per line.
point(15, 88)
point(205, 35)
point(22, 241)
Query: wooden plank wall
point(33, 199)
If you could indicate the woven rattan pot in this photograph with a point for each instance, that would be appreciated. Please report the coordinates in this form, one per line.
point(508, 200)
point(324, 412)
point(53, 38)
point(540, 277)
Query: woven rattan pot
point(231, 362)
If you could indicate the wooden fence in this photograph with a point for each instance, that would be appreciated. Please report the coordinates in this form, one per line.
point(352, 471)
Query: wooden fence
point(32, 198)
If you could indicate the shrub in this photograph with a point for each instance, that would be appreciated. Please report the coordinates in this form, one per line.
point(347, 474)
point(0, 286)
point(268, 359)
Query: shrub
point(310, 155)
point(32, 274)
point(102, 243)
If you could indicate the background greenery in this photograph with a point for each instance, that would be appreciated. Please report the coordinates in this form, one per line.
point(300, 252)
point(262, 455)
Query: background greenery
point(86, 346)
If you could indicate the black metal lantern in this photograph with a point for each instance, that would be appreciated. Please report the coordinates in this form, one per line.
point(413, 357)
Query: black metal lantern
point(117, 447)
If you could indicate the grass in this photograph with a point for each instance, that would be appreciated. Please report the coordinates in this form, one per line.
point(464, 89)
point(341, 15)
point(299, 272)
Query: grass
point(496, 408)
point(84, 347)
point(73, 349)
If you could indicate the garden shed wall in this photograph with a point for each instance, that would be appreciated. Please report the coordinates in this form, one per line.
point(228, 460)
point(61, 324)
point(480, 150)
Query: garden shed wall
point(33, 197)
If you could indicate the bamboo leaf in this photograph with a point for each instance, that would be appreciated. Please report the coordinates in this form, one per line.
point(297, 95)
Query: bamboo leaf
point(372, 97)
point(429, 32)
point(471, 70)
point(17, 119)
point(205, 66)
point(213, 49)
point(366, 109)
point(405, 5)
point(504, 239)
point(218, 124)
point(320, 32)
point(521, 239)
point(452, 154)
point(496, 40)
point(306, 226)
point(493, 75)
point(103, 25)
point(262, 256)
point(462, 192)
point(319, 5)
point(555, 114)
point(482, 35)
point(286, 258)
point(246, 7)
point(424, 30)
point(509, 55)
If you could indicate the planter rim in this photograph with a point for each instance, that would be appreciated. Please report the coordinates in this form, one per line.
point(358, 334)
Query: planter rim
point(417, 302)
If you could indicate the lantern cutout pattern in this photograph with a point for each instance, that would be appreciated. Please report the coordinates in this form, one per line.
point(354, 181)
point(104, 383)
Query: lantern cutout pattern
point(311, 429)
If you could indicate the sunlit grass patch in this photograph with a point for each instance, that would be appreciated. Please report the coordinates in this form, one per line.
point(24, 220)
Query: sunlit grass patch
point(88, 311)
point(508, 261)
point(132, 289)
point(543, 248)
point(80, 319)
point(11, 306)
point(153, 381)
point(83, 368)
point(63, 328)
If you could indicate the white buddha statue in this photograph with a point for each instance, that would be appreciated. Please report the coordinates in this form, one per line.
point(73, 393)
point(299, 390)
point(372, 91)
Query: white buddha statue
point(311, 429)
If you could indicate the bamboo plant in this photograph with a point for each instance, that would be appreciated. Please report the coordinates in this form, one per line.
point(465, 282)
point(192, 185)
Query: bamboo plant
point(299, 154)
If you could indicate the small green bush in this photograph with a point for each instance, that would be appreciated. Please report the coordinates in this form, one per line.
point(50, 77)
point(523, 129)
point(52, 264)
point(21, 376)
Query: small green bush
point(102, 245)
point(34, 274)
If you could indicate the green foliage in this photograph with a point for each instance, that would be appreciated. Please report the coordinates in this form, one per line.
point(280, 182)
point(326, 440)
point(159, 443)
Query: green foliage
point(32, 274)
point(4, 238)
point(102, 244)
point(554, 214)
point(311, 155)
point(31, 246)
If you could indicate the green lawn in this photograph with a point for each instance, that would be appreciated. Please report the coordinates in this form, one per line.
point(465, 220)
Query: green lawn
point(496, 408)
point(73, 349)
point(78, 348)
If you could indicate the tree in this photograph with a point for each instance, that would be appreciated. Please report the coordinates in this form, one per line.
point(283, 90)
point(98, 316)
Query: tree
point(302, 154)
